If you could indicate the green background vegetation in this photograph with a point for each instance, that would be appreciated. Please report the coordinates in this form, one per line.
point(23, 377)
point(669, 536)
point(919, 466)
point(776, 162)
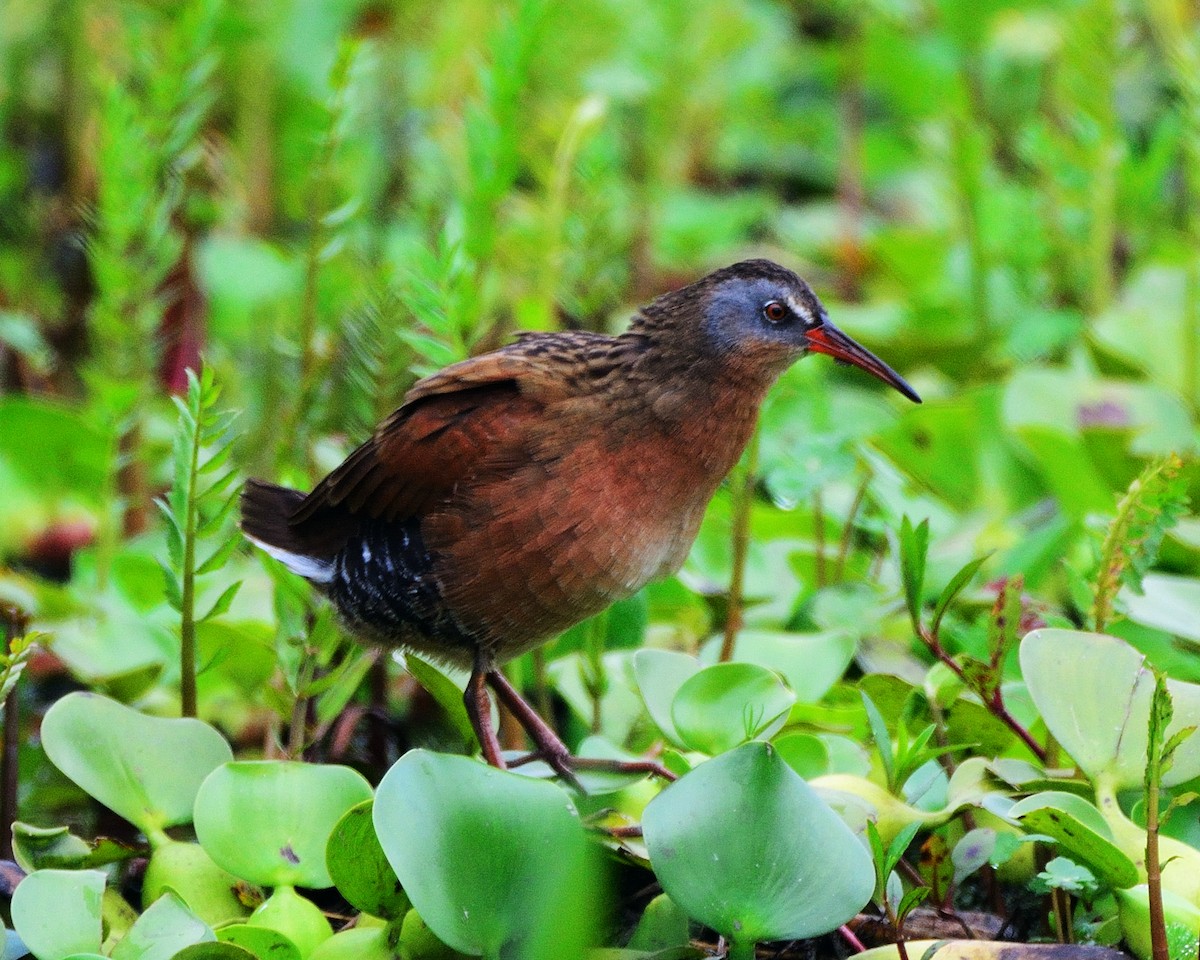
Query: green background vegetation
point(329, 198)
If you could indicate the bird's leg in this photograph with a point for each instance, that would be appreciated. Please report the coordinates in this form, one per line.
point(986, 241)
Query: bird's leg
point(479, 710)
point(545, 741)
point(550, 747)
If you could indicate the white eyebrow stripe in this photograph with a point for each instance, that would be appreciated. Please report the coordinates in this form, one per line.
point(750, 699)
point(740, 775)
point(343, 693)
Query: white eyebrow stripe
point(798, 309)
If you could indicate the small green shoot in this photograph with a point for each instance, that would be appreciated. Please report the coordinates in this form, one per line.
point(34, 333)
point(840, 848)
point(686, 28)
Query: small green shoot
point(1151, 506)
point(199, 510)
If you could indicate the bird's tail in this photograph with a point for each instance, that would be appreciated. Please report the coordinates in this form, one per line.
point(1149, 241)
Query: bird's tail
point(266, 512)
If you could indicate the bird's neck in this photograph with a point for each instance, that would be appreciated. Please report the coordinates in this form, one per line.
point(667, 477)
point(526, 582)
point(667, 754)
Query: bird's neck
point(702, 405)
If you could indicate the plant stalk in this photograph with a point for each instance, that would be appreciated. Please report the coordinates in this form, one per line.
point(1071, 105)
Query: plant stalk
point(187, 606)
point(743, 500)
point(9, 779)
point(995, 705)
point(741, 950)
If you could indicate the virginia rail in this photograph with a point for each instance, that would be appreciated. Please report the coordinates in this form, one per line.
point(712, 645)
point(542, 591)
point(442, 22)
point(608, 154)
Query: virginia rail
point(514, 494)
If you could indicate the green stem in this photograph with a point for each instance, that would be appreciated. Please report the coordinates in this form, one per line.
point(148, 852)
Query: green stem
point(596, 677)
point(743, 500)
point(741, 950)
point(187, 607)
point(298, 729)
point(839, 573)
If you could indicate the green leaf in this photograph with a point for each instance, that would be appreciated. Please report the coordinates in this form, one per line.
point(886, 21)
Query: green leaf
point(751, 877)
point(445, 691)
point(811, 663)
point(165, 928)
point(360, 869)
point(497, 864)
point(660, 674)
point(914, 547)
point(220, 556)
point(899, 844)
point(1063, 874)
point(952, 589)
point(1094, 693)
point(879, 733)
point(269, 821)
point(40, 848)
point(911, 900)
point(259, 942)
point(222, 604)
point(1080, 831)
point(146, 769)
point(58, 912)
point(729, 703)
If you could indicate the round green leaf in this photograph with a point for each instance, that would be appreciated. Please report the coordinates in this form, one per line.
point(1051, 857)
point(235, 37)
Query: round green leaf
point(362, 943)
point(165, 928)
point(659, 675)
point(744, 846)
point(729, 703)
point(811, 663)
point(269, 821)
point(495, 863)
point(58, 912)
point(804, 753)
point(360, 869)
point(146, 769)
point(262, 942)
point(1094, 693)
point(219, 951)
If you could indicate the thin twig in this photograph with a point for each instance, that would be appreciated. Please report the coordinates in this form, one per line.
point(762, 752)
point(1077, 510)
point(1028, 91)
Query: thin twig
point(995, 705)
point(843, 554)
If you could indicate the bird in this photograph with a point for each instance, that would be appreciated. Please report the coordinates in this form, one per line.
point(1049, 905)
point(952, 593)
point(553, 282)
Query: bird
point(519, 492)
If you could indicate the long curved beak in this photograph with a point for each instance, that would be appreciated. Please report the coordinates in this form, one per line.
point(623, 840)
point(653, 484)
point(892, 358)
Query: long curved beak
point(830, 340)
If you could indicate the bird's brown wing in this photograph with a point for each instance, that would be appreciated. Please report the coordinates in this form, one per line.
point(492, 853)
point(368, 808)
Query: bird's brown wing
point(482, 409)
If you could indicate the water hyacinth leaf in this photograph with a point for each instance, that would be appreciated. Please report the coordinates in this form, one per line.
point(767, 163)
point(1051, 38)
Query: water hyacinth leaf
point(40, 848)
point(220, 951)
point(496, 864)
point(367, 943)
point(729, 703)
point(1134, 904)
point(1167, 602)
point(360, 869)
point(1094, 692)
point(805, 753)
point(58, 912)
point(811, 663)
point(1080, 831)
point(742, 844)
point(146, 769)
point(660, 674)
point(259, 941)
point(165, 928)
point(269, 821)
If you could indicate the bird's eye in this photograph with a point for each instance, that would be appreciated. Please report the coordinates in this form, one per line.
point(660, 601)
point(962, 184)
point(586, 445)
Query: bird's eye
point(775, 311)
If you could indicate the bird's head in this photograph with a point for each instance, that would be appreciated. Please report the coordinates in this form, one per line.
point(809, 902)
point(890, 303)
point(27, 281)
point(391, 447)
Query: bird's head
point(760, 315)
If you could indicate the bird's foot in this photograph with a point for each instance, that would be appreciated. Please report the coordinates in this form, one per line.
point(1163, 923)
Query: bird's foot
point(560, 759)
